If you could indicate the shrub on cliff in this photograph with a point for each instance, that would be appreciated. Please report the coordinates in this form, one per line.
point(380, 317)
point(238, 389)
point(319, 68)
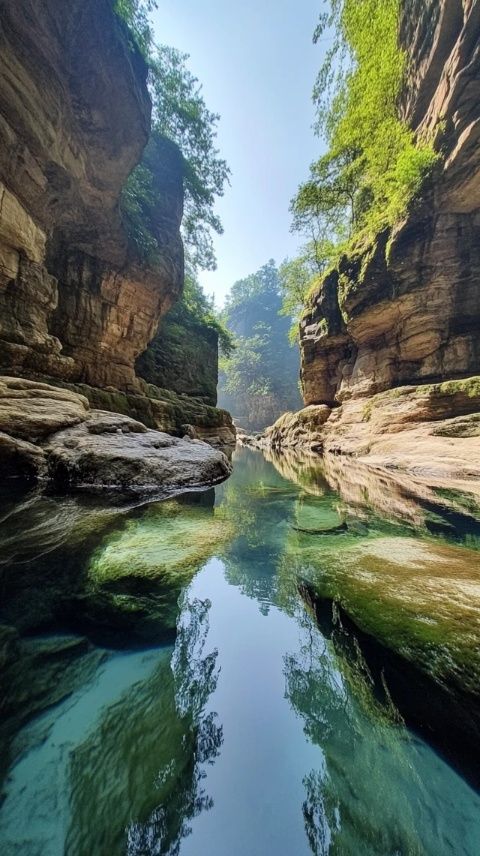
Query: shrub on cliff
point(179, 114)
point(374, 165)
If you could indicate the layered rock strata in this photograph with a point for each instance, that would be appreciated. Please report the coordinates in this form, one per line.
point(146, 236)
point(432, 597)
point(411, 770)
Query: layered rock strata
point(401, 317)
point(428, 432)
point(52, 436)
point(406, 311)
point(76, 305)
point(73, 125)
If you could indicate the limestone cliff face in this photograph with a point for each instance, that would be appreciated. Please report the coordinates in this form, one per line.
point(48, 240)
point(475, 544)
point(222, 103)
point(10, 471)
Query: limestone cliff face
point(183, 357)
point(73, 124)
point(407, 312)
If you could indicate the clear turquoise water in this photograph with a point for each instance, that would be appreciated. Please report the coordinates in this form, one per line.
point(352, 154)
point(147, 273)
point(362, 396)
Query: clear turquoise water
point(252, 731)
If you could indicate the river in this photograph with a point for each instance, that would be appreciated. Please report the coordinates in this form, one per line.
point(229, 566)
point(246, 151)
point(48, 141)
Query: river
point(282, 668)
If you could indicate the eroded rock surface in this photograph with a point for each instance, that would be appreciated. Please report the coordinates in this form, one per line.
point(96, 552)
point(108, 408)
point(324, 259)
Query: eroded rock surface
point(430, 432)
point(406, 311)
point(73, 304)
point(51, 434)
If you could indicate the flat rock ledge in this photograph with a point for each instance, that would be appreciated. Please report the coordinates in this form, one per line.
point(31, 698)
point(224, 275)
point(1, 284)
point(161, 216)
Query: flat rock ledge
point(429, 432)
point(51, 435)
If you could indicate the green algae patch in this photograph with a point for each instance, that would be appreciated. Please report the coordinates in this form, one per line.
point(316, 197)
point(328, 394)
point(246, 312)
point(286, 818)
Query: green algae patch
point(137, 574)
point(169, 540)
point(419, 598)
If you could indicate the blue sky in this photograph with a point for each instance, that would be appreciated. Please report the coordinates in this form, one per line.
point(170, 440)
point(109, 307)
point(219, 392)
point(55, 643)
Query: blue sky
point(257, 64)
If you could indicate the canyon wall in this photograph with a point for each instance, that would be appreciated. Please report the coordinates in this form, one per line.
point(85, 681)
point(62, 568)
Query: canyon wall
point(407, 311)
point(76, 306)
point(389, 341)
point(74, 123)
point(183, 356)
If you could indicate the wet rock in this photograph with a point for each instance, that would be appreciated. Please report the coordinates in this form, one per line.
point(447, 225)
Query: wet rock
point(21, 459)
point(134, 578)
point(427, 432)
point(92, 449)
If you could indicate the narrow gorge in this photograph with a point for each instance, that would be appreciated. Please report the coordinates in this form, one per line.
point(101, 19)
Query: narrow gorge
point(239, 512)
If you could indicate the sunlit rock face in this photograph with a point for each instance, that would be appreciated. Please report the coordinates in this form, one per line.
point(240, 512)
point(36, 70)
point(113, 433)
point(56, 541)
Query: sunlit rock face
point(74, 124)
point(429, 433)
point(406, 312)
point(75, 305)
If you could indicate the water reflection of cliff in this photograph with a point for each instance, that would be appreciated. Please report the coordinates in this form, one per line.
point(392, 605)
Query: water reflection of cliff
point(392, 496)
point(350, 807)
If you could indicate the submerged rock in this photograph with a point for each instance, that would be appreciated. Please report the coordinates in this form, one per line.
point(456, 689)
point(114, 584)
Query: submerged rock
point(134, 578)
point(419, 598)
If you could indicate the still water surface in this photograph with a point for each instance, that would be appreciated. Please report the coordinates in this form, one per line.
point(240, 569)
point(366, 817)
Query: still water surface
point(261, 727)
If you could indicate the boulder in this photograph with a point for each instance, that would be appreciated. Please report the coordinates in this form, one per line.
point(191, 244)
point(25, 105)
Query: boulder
point(50, 434)
point(121, 454)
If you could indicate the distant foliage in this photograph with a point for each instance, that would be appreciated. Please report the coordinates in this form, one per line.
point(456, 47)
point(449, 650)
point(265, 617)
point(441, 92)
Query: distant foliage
point(260, 377)
point(374, 165)
point(181, 115)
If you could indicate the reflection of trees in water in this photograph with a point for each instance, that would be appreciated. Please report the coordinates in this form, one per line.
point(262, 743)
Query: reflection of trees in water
point(195, 678)
point(315, 814)
point(360, 801)
point(259, 504)
point(138, 781)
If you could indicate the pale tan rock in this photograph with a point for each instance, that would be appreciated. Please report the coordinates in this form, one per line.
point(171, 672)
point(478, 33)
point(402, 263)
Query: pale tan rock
point(78, 448)
point(73, 124)
point(18, 230)
point(430, 433)
point(32, 411)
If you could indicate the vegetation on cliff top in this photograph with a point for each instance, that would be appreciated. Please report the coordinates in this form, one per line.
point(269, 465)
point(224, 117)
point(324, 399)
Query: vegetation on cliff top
point(180, 114)
point(374, 164)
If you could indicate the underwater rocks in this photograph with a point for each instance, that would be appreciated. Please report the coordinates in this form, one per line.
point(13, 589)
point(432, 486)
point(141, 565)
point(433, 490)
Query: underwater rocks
point(135, 576)
point(51, 435)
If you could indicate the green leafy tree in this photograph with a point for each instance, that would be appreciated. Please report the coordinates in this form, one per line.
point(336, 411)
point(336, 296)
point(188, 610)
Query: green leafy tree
point(259, 380)
point(296, 276)
point(375, 164)
point(179, 114)
point(136, 15)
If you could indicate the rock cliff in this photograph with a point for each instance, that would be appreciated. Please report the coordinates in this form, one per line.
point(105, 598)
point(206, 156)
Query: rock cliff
point(404, 314)
point(75, 305)
point(407, 310)
point(183, 356)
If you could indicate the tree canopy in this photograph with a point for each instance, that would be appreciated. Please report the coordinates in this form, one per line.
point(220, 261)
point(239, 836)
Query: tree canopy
point(374, 164)
point(180, 114)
